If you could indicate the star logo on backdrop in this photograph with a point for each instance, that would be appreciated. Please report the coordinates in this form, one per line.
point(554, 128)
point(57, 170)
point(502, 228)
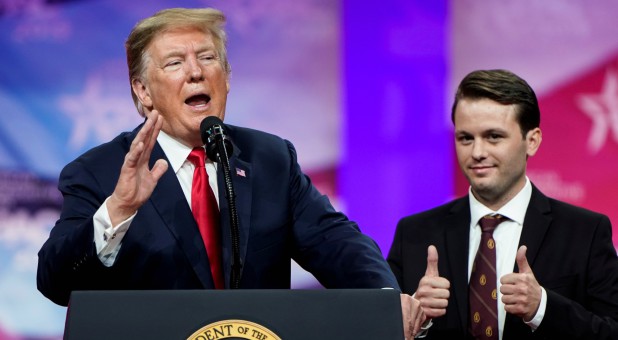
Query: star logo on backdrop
point(97, 113)
point(602, 109)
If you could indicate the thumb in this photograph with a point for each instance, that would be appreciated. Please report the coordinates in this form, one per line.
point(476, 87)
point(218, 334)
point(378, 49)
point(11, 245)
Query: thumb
point(522, 261)
point(159, 168)
point(432, 261)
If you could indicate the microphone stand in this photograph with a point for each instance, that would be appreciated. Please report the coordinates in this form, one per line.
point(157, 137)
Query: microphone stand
point(223, 159)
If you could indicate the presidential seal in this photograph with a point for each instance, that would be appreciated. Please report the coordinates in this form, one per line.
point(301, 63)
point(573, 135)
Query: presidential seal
point(234, 329)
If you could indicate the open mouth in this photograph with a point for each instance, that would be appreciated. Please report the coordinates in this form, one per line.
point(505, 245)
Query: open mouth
point(198, 100)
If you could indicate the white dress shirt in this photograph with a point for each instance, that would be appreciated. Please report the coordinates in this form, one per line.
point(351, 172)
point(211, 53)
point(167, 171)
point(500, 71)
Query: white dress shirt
point(506, 236)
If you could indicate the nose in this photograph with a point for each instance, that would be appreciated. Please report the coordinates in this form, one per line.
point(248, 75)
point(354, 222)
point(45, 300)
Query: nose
point(195, 71)
point(478, 149)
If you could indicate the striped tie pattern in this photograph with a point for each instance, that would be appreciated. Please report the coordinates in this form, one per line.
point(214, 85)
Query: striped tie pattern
point(483, 294)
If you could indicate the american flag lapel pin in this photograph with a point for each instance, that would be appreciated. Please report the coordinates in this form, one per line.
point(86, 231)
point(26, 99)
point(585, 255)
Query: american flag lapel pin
point(240, 172)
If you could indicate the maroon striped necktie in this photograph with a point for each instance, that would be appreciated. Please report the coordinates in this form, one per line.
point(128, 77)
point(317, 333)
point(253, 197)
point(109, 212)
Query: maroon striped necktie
point(483, 294)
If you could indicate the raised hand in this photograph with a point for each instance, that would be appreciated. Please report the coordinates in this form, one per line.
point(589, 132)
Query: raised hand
point(433, 290)
point(521, 293)
point(137, 180)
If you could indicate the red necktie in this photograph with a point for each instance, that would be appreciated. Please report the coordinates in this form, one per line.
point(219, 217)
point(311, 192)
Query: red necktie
point(206, 213)
point(483, 294)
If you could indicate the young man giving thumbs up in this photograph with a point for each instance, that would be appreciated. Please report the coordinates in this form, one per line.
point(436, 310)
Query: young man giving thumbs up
point(506, 261)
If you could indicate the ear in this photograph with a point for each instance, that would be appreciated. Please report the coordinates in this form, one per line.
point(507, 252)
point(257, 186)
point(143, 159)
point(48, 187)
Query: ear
point(534, 138)
point(227, 83)
point(142, 93)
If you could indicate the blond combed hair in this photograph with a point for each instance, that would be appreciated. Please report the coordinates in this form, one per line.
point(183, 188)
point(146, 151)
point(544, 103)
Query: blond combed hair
point(208, 20)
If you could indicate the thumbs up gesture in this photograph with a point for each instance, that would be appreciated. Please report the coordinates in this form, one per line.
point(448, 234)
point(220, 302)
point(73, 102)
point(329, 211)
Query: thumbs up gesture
point(521, 293)
point(433, 290)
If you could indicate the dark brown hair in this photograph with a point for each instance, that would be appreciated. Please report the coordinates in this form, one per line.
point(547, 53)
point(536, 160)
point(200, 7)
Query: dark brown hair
point(504, 87)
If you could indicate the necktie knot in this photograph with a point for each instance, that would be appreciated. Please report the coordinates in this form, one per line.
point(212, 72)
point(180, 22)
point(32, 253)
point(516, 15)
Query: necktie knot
point(197, 157)
point(489, 222)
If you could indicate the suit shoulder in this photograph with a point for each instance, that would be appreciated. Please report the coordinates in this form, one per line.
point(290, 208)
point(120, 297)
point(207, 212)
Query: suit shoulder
point(437, 212)
point(106, 155)
point(260, 145)
point(248, 136)
point(563, 211)
point(573, 213)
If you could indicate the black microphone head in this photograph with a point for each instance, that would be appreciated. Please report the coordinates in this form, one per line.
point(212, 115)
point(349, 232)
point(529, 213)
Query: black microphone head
point(206, 127)
point(211, 131)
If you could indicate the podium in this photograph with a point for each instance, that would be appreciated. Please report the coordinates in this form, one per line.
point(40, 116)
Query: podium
point(235, 314)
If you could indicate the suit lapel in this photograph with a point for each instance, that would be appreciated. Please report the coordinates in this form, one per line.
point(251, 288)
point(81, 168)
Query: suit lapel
point(536, 223)
point(241, 176)
point(457, 236)
point(169, 200)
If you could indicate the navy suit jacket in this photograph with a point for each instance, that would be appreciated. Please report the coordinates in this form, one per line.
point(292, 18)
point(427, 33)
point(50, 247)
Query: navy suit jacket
point(281, 216)
point(570, 251)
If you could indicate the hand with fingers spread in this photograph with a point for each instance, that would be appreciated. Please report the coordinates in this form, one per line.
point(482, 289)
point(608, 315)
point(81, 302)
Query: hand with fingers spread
point(433, 290)
point(521, 293)
point(137, 181)
point(413, 316)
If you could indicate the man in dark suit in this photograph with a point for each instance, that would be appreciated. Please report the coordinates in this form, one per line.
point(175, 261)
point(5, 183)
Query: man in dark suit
point(556, 267)
point(127, 221)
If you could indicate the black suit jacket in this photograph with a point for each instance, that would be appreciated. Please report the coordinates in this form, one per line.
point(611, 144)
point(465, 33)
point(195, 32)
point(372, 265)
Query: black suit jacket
point(570, 251)
point(281, 216)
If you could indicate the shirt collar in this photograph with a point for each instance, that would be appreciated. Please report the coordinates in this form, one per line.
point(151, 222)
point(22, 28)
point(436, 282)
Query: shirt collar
point(175, 151)
point(515, 209)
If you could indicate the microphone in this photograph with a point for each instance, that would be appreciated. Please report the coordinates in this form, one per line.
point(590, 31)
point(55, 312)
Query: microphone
point(218, 147)
point(212, 130)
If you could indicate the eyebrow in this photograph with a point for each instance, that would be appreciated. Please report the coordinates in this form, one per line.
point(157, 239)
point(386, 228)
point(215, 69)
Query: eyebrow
point(484, 132)
point(175, 52)
point(499, 131)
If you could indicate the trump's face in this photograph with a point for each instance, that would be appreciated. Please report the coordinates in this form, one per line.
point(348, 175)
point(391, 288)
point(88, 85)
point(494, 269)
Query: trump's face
point(491, 150)
point(185, 81)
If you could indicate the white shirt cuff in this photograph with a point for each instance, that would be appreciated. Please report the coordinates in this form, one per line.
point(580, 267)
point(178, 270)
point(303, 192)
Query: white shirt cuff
point(538, 317)
point(107, 239)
